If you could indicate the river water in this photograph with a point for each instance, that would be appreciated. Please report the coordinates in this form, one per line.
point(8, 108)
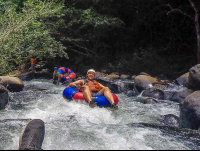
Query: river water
point(75, 126)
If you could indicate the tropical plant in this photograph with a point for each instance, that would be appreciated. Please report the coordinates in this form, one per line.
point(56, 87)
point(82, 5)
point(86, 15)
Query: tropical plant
point(24, 33)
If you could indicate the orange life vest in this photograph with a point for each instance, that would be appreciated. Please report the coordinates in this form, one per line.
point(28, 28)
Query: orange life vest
point(33, 60)
point(93, 85)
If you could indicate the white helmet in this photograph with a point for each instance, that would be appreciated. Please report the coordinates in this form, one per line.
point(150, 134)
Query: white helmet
point(91, 70)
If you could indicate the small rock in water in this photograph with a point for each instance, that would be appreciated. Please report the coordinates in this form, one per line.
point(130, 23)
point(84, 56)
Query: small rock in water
point(170, 120)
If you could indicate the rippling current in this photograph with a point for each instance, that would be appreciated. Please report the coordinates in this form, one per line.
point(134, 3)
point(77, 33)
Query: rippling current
point(75, 126)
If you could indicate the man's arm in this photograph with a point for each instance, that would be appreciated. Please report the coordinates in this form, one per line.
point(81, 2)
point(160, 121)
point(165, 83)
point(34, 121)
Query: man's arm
point(79, 82)
point(59, 78)
point(53, 76)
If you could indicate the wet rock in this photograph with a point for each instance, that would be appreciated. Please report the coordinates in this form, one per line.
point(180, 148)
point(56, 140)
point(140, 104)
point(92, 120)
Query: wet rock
point(190, 111)
point(13, 84)
point(123, 86)
point(162, 77)
point(154, 93)
point(4, 97)
point(23, 97)
point(123, 77)
point(3, 89)
point(113, 76)
point(39, 87)
point(133, 77)
point(131, 93)
point(170, 95)
point(181, 95)
point(194, 78)
point(116, 85)
point(67, 82)
point(183, 79)
point(143, 82)
point(146, 100)
point(26, 76)
point(150, 101)
point(43, 74)
point(169, 120)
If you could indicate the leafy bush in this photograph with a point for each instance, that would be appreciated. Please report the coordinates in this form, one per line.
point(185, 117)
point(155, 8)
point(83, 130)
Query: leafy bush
point(25, 34)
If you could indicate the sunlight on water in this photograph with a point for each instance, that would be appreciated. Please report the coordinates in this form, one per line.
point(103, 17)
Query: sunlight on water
point(74, 125)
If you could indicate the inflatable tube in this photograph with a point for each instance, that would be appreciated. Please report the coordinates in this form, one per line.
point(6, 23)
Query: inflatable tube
point(71, 75)
point(61, 72)
point(70, 93)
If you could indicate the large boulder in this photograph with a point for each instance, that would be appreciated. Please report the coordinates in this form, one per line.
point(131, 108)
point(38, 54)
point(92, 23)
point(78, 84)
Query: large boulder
point(190, 111)
point(4, 97)
point(183, 79)
point(143, 82)
point(13, 84)
point(194, 78)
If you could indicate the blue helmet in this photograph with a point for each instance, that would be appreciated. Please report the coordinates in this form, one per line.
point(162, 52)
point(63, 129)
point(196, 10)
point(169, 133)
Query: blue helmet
point(55, 68)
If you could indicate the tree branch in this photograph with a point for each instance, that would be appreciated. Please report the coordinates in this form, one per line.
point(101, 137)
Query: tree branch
point(196, 21)
point(79, 46)
point(79, 52)
point(193, 5)
point(175, 10)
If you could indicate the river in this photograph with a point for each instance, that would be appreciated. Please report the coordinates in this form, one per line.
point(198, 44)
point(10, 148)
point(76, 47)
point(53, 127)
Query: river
point(76, 126)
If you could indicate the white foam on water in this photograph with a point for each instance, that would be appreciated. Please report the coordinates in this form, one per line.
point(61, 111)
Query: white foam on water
point(150, 139)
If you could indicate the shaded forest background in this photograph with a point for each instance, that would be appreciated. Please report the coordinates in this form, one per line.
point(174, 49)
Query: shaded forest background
point(125, 36)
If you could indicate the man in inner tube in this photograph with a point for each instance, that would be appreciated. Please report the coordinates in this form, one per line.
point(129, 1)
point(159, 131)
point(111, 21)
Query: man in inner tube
point(91, 88)
point(63, 74)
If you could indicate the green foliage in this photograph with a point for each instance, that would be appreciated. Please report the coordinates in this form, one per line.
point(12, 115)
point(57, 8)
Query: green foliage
point(87, 32)
point(24, 34)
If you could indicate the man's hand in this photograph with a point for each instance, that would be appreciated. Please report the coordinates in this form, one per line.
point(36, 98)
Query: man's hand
point(78, 86)
point(72, 85)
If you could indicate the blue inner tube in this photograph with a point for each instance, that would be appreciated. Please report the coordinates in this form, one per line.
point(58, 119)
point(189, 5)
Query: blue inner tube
point(69, 93)
point(101, 100)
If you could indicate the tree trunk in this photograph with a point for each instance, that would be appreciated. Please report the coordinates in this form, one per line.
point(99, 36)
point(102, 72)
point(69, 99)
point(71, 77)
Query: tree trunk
point(196, 22)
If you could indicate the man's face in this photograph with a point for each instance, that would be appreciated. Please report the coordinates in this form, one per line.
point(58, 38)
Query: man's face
point(90, 75)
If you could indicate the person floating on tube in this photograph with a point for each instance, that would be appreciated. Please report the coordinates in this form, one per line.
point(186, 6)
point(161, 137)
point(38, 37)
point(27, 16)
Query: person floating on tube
point(92, 88)
point(63, 74)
